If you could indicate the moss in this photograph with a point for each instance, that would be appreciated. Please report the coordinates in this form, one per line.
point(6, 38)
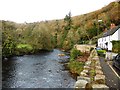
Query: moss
point(92, 74)
point(92, 71)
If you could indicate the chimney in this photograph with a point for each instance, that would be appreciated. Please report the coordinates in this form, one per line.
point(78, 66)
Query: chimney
point(112, 25)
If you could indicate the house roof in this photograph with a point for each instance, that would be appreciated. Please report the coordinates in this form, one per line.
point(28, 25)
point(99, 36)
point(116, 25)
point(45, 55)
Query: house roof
point(111, 31)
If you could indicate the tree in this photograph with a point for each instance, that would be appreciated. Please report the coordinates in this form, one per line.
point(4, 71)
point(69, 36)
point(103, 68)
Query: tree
point(92, 32)
point(8, 41)
point(68, 21)
point(67, 27)
point(57, 28)
point(41, 38)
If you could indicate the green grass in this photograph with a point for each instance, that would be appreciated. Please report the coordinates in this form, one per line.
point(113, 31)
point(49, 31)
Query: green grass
point(22, 46)
point(22, 49)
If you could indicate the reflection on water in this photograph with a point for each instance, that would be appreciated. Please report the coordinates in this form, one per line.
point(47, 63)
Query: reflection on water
point(36, 71)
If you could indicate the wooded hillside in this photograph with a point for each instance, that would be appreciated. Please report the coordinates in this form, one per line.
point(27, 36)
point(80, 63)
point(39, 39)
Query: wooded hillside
point(64, 33)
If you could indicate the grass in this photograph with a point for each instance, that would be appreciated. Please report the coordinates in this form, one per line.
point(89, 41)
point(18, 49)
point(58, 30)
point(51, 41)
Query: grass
point(22, 49)
point(22, 46)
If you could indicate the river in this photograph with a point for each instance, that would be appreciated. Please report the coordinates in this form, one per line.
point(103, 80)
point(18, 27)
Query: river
point(42, 70)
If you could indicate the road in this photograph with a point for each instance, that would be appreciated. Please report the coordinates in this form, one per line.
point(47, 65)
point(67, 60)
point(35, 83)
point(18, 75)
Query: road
point(112, 80)
point(116, 70)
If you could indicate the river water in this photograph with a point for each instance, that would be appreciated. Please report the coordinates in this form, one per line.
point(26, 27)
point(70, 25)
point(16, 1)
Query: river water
point(42, 70)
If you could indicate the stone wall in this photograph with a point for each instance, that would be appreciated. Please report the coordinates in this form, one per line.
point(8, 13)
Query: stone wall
point(92, 75)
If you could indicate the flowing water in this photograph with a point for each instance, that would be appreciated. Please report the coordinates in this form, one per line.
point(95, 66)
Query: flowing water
point(42, 70)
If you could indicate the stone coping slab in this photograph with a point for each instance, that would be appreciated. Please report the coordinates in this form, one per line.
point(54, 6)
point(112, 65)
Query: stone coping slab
point(100, 87)
point(100, 79)
point(98, 67)
point(83, 74)
point(99, 71)
point(86, 67)
point(83, 78)
point(81, 84)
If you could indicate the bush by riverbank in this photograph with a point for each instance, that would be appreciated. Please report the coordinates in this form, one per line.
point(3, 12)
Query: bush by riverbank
point(75, 67)
point(23, 49)
point(75, 64)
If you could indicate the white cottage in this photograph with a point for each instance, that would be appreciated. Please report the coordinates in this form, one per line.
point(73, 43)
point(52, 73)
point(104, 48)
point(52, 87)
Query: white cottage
point(112, 34)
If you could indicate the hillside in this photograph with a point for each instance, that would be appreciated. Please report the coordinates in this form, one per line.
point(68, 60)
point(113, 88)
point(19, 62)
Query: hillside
point(64, 33)
point(85, 27)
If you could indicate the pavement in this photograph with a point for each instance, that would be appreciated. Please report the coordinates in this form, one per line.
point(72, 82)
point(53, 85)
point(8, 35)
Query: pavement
point(110, 55)
point(112, 79)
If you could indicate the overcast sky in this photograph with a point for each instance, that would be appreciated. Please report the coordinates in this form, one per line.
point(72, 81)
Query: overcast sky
point(36, 10)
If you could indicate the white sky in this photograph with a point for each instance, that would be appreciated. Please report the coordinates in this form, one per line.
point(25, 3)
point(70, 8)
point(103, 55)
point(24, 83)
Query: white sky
point(37, 10)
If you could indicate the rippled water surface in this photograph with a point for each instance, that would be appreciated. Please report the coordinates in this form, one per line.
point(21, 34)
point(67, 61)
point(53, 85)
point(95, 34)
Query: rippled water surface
point(36, 71)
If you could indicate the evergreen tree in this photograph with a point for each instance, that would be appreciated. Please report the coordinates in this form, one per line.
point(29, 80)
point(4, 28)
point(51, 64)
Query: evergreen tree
point(68, 21)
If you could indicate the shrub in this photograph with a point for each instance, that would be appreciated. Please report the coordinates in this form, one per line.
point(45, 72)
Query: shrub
point(116, 46)
point(76, 66)
point(74, 53)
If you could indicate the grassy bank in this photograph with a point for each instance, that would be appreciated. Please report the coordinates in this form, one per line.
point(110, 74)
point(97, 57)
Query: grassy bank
point(23, 49)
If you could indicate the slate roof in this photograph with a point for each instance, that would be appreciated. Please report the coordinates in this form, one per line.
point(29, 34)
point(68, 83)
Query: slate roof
point(111, 31)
